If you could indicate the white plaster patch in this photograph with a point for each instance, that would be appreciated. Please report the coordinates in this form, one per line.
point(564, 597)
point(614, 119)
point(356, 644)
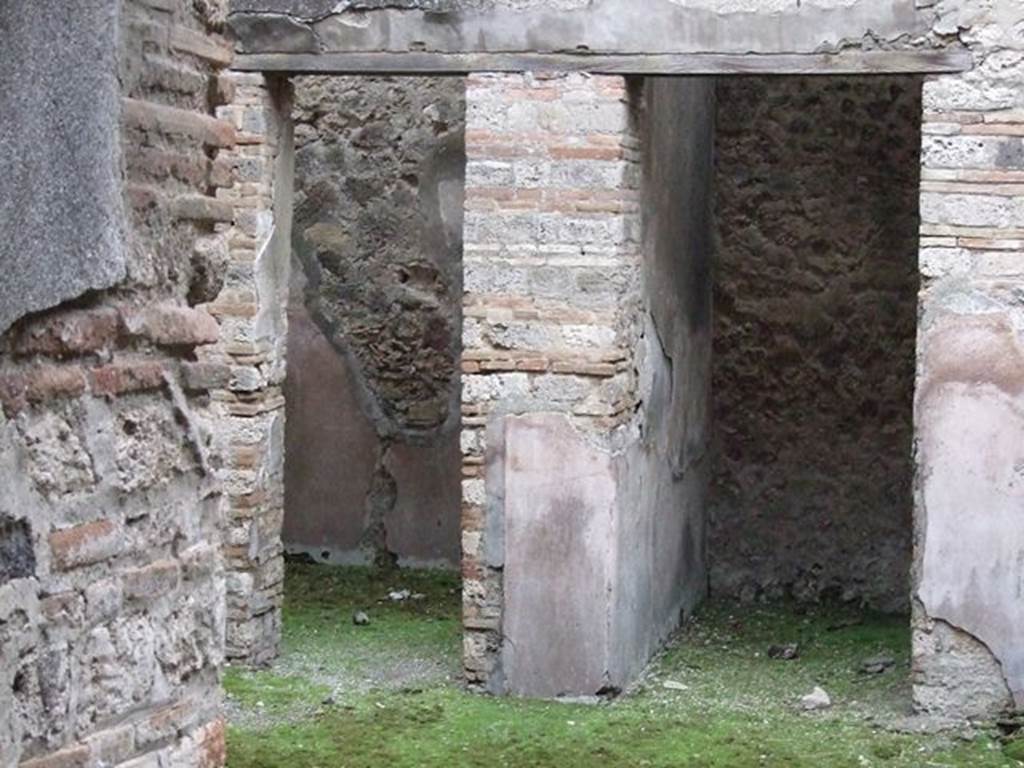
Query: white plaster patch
point(972, 454)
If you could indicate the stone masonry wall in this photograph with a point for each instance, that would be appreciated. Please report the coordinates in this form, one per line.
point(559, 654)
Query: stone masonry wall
point(815, 317)
point(587, 375)
point(550, 308)
point(111, 577)
point(969, 409)
point(249, 361)
point(372, 473)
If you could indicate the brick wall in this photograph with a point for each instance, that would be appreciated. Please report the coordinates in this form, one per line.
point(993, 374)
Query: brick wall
point(550, 270)
point(250, 355)
point(112, 586)
point(586, 346)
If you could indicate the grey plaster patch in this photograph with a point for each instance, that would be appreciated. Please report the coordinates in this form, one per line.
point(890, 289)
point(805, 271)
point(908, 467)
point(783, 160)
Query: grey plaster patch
point(494, 533)
point(288, 34)
point(662, 479)
point(61, 217)
point(954, 673)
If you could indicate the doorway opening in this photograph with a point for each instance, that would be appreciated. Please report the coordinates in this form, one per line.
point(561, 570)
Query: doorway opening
point(813, 366)
point(372, 437)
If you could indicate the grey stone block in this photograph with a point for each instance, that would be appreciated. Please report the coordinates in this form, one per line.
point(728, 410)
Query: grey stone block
point(61, 215)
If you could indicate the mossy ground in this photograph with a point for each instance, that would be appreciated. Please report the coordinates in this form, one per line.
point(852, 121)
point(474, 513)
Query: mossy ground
point(387, 694)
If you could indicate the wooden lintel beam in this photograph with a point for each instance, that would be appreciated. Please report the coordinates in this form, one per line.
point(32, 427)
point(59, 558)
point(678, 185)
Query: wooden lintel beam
point(850, 62)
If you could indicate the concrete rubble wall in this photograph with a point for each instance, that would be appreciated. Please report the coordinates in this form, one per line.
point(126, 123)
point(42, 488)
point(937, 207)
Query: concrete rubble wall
point(969, 409)
point(372, 445)
point(815, 323)
point(580, 26)
point(112, 607)
point(577, 497)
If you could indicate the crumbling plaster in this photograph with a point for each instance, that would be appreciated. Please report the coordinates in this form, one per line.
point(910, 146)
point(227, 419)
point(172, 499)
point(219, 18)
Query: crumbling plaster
point(375, 308)
point(968, 426)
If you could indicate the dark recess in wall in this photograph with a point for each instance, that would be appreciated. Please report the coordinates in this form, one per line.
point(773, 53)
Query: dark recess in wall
point(815, 322)
point(17, 558)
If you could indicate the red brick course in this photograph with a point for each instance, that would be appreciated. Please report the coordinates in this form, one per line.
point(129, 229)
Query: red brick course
point(85, 544)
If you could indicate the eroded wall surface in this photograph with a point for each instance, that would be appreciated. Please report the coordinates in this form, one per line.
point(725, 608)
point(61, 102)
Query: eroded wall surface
point(372, 443)
point(112, 608)
point(815, 316)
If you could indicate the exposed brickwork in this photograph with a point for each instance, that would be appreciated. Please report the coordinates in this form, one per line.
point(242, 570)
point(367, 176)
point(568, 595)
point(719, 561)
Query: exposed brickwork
point(248, 362)
point(85, 544)
point(112, 628)
point(551, 271)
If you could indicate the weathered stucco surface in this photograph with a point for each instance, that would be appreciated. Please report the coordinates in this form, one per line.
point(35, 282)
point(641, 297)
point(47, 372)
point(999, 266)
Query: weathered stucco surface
point(661, 513)
point(560, 555)
point(971, 419)
point(330, 450)
point(968, 658)
point(554, 26)
point(815, 317)
point(376, 299)
point(59, 156)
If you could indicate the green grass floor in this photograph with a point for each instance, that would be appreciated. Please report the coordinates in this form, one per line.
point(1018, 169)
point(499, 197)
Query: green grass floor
point(388, 694)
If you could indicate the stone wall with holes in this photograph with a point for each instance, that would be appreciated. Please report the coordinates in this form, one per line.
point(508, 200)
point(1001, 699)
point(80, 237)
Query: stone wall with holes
point(372, 470)
point(112, 608)
point(969, 408)
point(815, 318)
